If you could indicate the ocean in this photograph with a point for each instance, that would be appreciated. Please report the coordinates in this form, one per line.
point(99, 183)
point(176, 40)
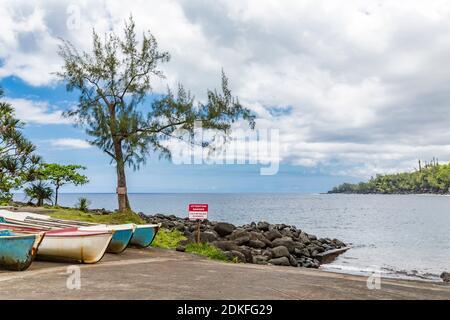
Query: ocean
point(403, 236)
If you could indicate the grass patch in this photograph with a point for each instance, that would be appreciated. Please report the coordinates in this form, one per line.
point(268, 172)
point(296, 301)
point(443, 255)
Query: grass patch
point(168, 239)
point(113, 218)
point(206, 250)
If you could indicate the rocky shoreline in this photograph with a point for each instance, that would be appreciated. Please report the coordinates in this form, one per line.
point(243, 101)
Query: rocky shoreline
point(258, 243)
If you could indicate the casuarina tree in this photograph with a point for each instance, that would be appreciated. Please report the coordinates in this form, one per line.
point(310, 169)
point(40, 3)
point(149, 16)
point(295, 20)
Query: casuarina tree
point(17, 160)
point(115, 81)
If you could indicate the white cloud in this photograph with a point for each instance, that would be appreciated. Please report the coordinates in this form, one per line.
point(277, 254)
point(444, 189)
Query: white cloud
point(70, 143)
point(38, 112)
point(366, 82)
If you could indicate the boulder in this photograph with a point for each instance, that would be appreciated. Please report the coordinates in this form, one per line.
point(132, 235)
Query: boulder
point(267, 253)
point(258, 244)
point(259, 259)
point(280, 251)
point(246, 252)
point(225, 245)
point(272, 234)
point(283, 261)
point(259, 236)
point(181, 248)
point(209, 236)
point(237, 256)
point(286, 242)
point(445, 276)
point(312, 237)
point(287, 232)
point(303, 237)
point(239, 233)
point(242, 240)
point(263, 226)
point(293, 261)
point(224, 228)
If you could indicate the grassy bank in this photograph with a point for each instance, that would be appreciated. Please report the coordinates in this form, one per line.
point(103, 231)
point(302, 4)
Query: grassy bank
point(169, 239)
point(116, 218)
point(166, 239)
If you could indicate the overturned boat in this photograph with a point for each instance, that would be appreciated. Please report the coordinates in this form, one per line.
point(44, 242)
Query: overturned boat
point(17, 251)
point(124, 234)
point(67, 244)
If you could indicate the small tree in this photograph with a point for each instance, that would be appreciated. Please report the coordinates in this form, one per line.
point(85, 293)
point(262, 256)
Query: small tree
point(83, 204)
point(17, 160)
point(114, 81)
point(40, 192)
point(60, 175)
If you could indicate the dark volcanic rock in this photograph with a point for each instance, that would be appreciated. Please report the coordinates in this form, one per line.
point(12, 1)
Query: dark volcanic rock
point(272, 234)
point(280, 251)
point(207, 236)
point(445, 276)
point(263, 226)
point(225, 245)
point(286, 242)
point(242, 240)
point(259, 259)
point(283, 261)
point(224, 228)
point(246, 252)
point(239, 233)
point(293, 261)
point(256, 244)
point(181, 248)
point(259, 243)
point(235, 255)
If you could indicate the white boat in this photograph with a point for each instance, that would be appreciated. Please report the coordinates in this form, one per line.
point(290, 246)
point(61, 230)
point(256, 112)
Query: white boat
point(75, 245)
point(68, 244)
point(138, 235)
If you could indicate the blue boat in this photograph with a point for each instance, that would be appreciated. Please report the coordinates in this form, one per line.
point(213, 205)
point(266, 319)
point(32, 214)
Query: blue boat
point(17, 251)
point(121, 237)
point(144, 234)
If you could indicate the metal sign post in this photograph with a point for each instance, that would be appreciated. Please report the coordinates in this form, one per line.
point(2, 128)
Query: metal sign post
point(198, 212)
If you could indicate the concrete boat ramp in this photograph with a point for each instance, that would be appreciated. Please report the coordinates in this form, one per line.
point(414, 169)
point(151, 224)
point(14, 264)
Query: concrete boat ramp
point(162, 274)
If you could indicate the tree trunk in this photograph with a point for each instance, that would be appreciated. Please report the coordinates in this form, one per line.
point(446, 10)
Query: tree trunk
point(56, 195)
point(122, 195)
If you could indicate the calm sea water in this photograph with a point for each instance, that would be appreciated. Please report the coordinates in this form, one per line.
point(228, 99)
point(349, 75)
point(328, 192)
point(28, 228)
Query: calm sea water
point(395, 235)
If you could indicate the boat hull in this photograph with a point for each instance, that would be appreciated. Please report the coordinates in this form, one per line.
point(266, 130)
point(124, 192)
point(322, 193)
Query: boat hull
point(121, 238)
point(144, 235)
point(82, 249)
point(17, 252)
point(69, 244)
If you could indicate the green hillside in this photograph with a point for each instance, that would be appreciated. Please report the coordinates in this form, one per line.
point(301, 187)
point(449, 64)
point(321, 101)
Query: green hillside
point(431, 178)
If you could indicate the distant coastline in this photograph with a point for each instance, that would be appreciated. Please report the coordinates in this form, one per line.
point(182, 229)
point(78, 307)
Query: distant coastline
point(431, 178)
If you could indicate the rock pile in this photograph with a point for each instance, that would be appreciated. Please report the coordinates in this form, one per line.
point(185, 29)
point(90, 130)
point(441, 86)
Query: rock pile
point(260, 243)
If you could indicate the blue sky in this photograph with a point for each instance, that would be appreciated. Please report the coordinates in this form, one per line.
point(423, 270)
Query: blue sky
point(158, 175)
point(352, 94)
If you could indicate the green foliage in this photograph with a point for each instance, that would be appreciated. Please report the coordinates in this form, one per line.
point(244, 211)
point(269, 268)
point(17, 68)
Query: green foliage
point(207, 250)
point(168, 239)
point(40, 192)
point(17, 159)
point(430, 179)
point(114, 80)
point(83, 204)
point(60, 175)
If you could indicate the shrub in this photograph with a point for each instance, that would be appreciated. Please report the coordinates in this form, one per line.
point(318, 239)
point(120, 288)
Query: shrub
point(83, 204)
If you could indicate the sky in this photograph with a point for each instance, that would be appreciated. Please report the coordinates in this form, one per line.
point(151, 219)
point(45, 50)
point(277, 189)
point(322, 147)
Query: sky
point(355, 88)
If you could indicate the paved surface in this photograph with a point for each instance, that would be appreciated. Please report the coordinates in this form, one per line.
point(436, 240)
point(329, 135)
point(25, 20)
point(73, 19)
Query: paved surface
point(161, 274)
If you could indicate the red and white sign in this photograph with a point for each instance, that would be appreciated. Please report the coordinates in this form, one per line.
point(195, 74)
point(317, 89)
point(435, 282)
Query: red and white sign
point(198, 211)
